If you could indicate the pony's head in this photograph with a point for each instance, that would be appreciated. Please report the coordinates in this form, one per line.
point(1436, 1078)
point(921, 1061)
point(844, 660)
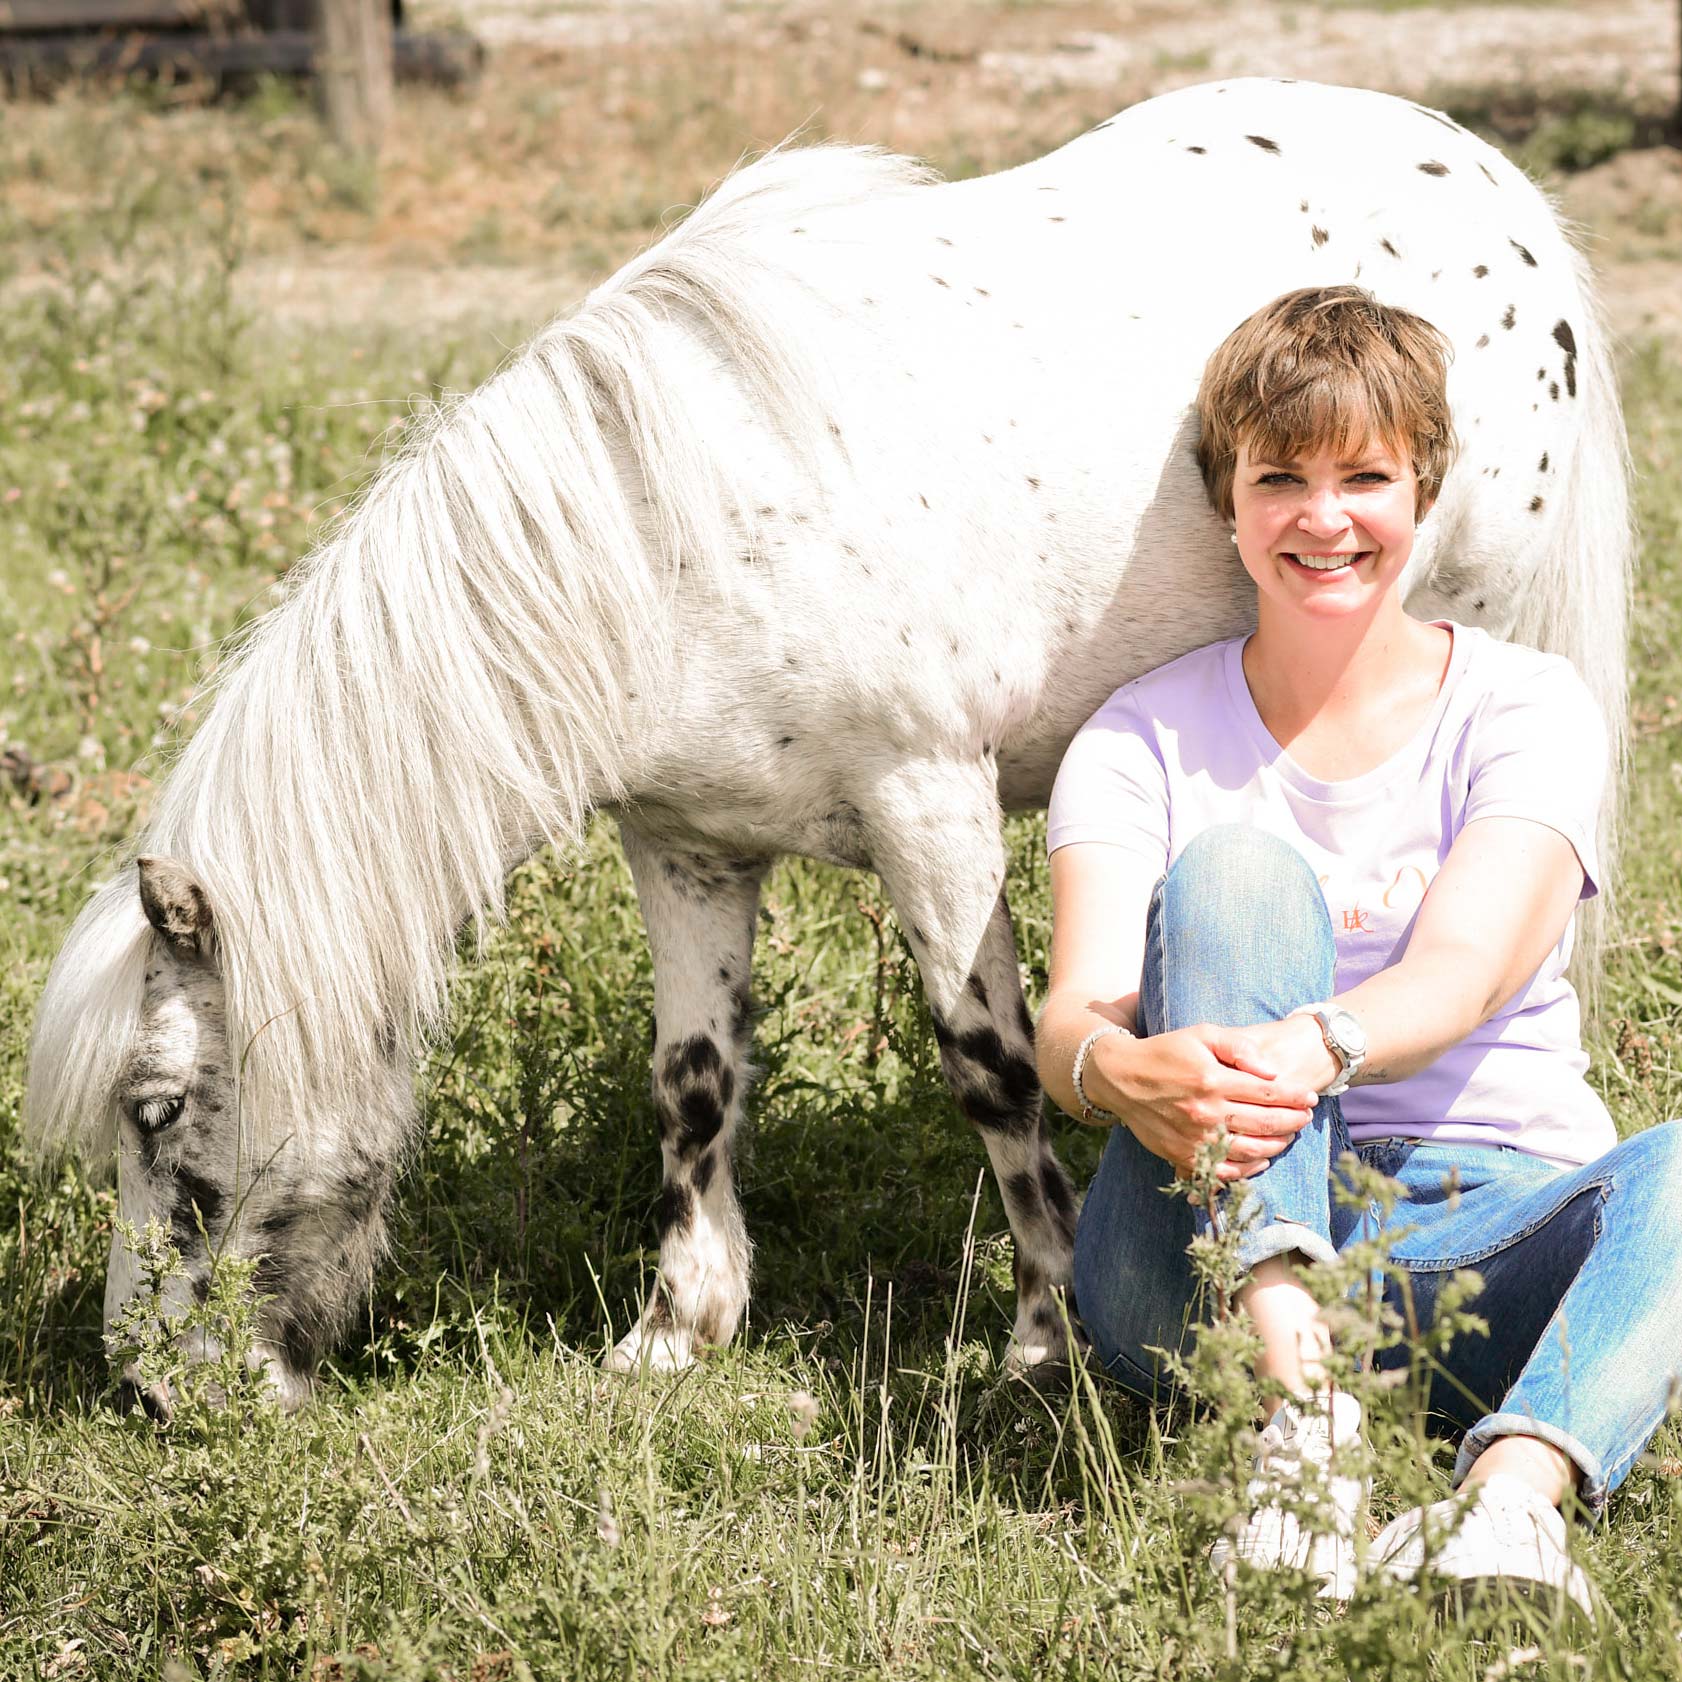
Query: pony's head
point(134, 1059)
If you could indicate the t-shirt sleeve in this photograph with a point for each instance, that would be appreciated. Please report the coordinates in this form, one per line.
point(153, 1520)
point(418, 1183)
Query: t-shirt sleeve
point(1539, 751)
point(1112, 787)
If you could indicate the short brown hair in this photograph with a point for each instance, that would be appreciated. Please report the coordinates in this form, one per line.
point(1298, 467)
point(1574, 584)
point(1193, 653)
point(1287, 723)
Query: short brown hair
point(1326, 366)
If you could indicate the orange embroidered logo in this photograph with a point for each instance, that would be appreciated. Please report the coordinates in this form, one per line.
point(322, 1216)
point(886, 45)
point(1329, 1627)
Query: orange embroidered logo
point(1355, 921)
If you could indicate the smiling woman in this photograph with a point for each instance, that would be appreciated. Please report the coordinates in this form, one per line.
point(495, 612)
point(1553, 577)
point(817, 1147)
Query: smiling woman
point(1231, 963)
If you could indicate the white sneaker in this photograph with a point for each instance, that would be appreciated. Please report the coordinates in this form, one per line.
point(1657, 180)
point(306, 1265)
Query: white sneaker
point(1501, 1530)
point(1294, 1472)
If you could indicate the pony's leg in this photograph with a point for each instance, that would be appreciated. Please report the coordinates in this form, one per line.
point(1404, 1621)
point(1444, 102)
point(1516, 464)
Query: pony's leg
point(935, 842)
point(700, 913)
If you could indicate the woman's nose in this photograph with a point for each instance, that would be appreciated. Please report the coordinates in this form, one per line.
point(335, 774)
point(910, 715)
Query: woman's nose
point(1323, 512)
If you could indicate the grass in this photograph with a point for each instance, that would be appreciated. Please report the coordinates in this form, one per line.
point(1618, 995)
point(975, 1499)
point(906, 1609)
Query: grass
point(853, 1488)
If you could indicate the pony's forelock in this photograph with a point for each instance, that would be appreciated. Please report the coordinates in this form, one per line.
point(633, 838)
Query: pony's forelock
point(77, 1052)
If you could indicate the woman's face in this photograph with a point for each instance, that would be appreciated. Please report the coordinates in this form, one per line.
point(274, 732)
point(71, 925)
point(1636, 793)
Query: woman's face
point(1329, 533)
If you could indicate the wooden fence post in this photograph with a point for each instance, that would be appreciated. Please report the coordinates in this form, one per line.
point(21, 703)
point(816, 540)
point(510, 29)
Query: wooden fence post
point(354, 65)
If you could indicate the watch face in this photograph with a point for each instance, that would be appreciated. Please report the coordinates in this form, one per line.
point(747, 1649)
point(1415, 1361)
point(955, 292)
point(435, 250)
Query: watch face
point(1348, 1032)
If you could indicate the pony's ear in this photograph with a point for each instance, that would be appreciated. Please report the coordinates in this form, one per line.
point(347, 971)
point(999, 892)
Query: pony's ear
point(176, 906)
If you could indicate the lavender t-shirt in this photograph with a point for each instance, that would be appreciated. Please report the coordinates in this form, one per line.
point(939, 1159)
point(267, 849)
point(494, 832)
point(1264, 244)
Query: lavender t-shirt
point(1512, 734)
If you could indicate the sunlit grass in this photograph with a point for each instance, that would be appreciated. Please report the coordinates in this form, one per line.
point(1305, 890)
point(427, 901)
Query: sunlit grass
point(853, 1488)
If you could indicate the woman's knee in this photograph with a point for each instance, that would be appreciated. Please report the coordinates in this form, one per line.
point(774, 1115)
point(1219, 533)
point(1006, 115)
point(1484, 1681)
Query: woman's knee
point(1239, 895)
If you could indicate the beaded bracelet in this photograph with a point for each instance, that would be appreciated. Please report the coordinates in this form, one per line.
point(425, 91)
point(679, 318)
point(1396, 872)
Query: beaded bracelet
point(1088, 1110)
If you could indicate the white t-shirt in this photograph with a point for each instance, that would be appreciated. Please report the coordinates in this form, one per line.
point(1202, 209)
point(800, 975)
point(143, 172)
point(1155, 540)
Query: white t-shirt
point(1513, 733)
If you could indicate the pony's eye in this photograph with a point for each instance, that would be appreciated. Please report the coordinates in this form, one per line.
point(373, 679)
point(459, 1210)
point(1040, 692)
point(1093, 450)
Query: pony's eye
point(151, 1115)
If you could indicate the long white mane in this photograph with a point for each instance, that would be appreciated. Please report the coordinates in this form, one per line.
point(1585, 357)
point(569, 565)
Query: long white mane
point(393, 737)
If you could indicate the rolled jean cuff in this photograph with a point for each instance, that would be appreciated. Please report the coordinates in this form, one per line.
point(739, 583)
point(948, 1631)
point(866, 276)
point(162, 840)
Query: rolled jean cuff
point(1493, 1426)
point(1276, 1237)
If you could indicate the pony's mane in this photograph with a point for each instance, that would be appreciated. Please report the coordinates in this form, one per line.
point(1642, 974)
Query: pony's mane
point(395, 735)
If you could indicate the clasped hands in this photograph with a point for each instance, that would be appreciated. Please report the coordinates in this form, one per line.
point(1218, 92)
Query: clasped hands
point(1177, 1091)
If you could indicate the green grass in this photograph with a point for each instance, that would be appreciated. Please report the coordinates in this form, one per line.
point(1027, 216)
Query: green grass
point(852, 1489)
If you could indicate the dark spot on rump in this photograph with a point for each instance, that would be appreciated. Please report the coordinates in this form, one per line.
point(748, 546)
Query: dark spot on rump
point(1386, 246)
point(1303, 206)
point(1480, 271)
point(1542, 465)
point(1199, 150)
point(1529, 261)
point(1033, 483)
point(1541, 373)
point(939, 282)
point(1433, 168)
point(1486, 175)
point(922, 499)
point(1319, 235)
point(941, 239)
point(1535, 505)
point(1567, 342)
point(982, 292)
point(1510, 317)
point(1553, 390)
point(1263, 142)
point(1483, 339)
point(1057, 218)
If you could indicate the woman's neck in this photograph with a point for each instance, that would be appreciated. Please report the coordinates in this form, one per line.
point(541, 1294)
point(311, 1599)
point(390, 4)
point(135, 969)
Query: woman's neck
point(1314, 679)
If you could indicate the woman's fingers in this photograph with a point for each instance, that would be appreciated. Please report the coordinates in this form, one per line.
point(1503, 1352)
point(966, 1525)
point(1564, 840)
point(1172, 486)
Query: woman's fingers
point(1266, 1121)
point(1237, 1050)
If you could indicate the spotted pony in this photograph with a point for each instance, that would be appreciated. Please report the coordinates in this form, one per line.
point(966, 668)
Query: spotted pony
point(817, 529)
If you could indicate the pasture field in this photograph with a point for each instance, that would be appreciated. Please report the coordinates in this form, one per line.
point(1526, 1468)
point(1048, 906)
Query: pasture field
point(854, 1488)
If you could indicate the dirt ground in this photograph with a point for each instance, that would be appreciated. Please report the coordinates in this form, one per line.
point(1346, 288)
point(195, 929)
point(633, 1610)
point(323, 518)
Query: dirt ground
point(499, 206)
point(908, 57)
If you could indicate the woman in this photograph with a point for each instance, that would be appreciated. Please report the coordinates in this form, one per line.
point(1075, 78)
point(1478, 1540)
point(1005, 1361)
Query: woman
point(1315, 888)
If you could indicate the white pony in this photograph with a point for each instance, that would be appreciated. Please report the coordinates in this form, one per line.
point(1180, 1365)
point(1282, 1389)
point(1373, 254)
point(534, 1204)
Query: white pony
point(819, 529)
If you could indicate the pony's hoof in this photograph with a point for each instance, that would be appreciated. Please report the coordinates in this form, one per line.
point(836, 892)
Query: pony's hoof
point(651, 1349)
point(1040, 1350)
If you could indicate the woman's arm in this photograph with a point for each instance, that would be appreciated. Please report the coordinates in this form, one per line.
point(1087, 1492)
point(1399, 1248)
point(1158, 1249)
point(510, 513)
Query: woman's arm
point(1495, 910)
point(1174, 1091)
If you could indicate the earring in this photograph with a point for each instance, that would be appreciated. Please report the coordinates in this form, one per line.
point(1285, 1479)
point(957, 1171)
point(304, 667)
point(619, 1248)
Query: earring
point(1234, 536)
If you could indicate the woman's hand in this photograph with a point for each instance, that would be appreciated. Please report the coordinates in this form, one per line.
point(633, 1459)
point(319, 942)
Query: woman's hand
point(1177, 1091)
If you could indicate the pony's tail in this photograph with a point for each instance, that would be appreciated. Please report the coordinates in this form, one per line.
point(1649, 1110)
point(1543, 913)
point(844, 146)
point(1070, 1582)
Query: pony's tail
point(1580, 603)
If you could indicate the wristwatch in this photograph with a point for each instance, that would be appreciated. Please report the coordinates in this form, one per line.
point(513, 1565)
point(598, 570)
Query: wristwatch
point(1345, 1039)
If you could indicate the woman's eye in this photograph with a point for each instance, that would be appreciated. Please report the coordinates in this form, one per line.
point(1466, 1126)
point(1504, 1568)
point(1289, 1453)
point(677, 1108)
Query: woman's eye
point(1275, 479)
point(153, 1114)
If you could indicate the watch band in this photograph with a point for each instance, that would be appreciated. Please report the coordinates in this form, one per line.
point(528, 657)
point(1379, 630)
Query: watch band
point(1350, 1053)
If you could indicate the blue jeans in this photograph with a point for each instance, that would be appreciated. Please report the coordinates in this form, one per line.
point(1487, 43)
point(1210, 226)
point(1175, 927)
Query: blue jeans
point(1581, 1267)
